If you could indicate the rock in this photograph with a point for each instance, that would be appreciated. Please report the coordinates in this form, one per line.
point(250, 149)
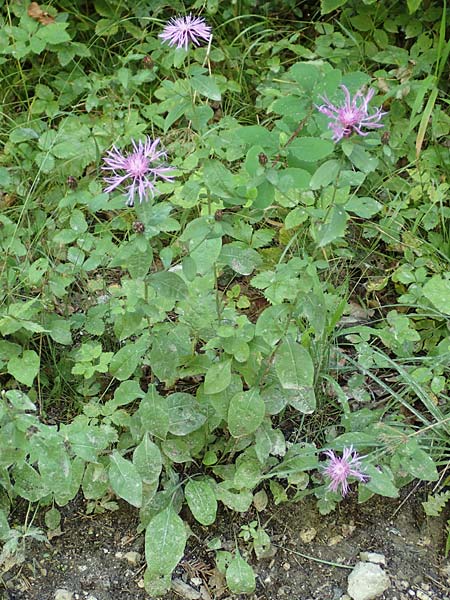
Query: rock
point(185, 590)
point(62, 594)
point(335, 540)
point(307, 535)
point(373, 557)
point(132, 557)
point(422, 595)
point(367, 581)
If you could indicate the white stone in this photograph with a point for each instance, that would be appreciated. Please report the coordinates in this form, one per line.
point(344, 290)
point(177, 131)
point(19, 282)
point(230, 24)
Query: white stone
point(367, 581)
point(132, 557)
point(62, 594)
point(422, 595)
point(373, 557)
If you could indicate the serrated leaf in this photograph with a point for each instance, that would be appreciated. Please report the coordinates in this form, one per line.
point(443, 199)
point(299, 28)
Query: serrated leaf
point(206, 86)
point(125, 479)
point(201, 499)
point(245, 413)
point(165, 540)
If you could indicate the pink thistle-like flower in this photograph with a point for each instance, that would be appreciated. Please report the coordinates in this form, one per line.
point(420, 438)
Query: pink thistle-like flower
point(179, 31)
point(339, 469)
point(353, 115)
point(141, 168)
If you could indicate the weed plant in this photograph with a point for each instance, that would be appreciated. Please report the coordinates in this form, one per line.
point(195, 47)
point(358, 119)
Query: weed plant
point(282, 292)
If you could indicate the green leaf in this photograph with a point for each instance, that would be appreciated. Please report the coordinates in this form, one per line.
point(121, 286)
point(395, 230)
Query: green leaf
point(147, 460)
point(327, 6)
point(413, 5)
point(365, 207)
point(165, 540)
point(154, 414)
point(168, 285)
point(417, 462)
point(185, 413)
point(202, 501)
point(325, 174)
point(310, 149)
point(437, 291)
point(295, 371)
point(28, 483)
point(125, 479)
point(334, 228)
point(125, 361)
point(289, 106)
point(246, 413)
point(55, 466)
point(381, 481)
point(59, 329)
point(52, 518)
point(4, 526)
point(240, 258)
point(237, 500)
point(240, 576)
point(218, 377)
point(55, 33)
point(206, 86)
point(24, 368)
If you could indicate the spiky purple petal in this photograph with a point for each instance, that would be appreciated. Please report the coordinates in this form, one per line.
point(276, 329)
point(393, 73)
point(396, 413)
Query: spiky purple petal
point(353, 115)
point(141, 168)
point(340, 468)
point(180, 31)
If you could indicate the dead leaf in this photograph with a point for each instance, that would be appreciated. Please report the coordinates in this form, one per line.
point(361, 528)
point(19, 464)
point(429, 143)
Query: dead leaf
point(35, 12)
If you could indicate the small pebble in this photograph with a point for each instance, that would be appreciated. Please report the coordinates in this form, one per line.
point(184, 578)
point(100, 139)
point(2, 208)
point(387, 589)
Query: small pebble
point(335, 540)
point(307, 535)
point(132, 557)
point(286, 566)
point(185, 590)
point(422, 595)
point(411, 592)
point(373, 557)
point(63, 594)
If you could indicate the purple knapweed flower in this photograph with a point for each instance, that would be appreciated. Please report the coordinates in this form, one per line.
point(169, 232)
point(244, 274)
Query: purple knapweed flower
point(339, 469)
point(141, 168)
point(179, 31)
point(353, 115)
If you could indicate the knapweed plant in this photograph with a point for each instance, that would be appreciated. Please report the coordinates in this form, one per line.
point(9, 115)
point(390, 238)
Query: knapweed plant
point(225, 262)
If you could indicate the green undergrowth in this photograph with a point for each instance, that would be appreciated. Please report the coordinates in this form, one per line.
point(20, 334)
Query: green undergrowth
point(284, 295)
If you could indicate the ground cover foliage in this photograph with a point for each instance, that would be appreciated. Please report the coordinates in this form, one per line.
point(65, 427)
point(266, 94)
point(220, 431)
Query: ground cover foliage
point(284, 295)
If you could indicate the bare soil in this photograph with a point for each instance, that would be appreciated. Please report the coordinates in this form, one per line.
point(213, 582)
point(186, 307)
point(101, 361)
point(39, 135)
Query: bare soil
point(101, 558)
